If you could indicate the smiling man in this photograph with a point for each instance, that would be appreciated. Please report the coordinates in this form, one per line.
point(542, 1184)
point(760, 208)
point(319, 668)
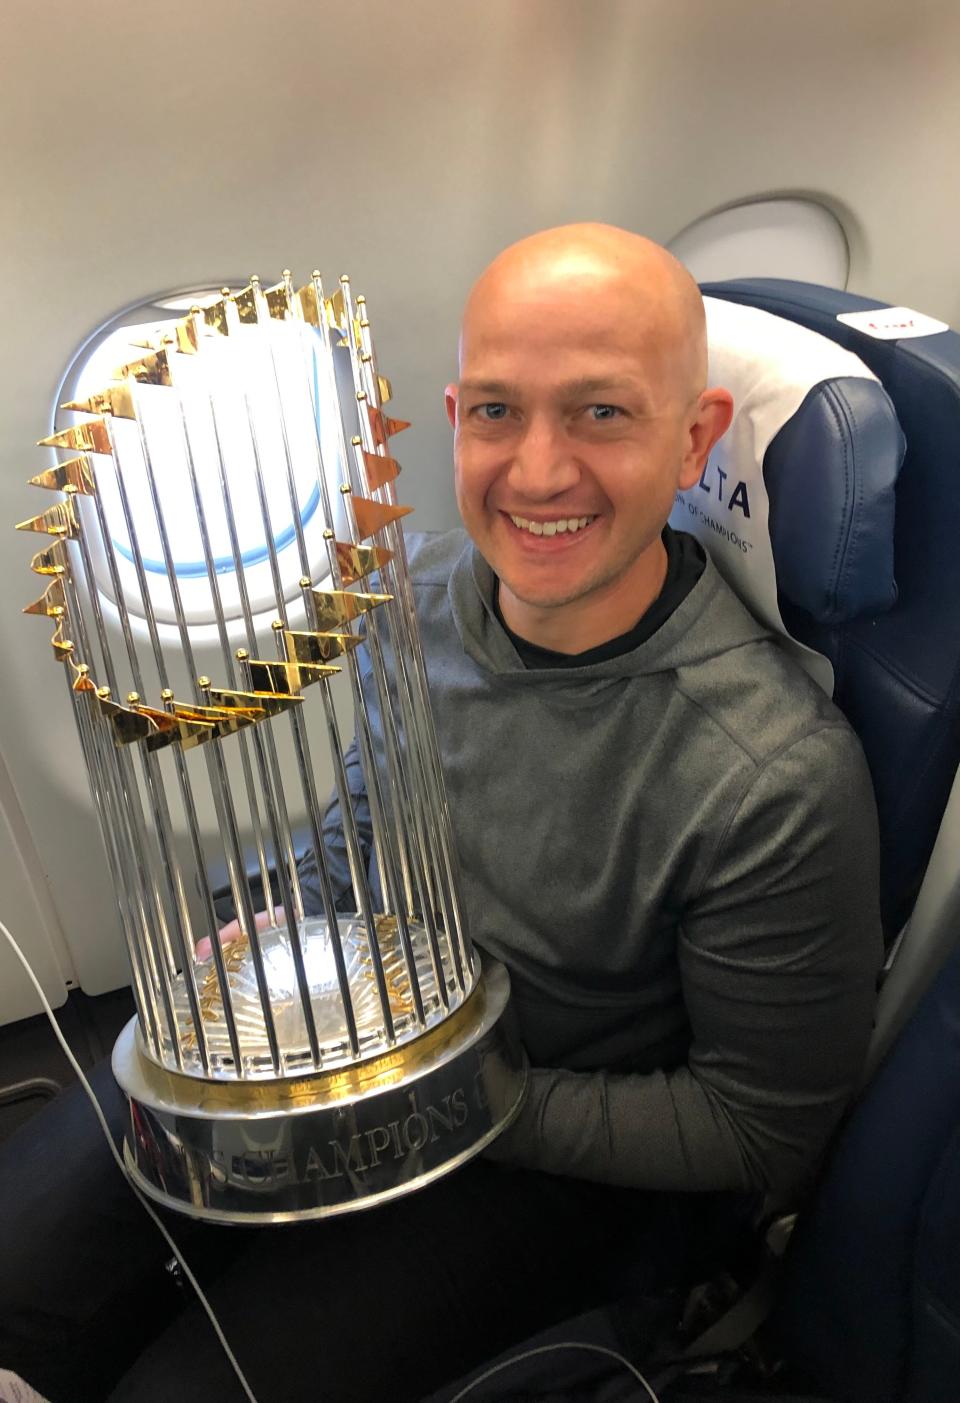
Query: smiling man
point(667, 834)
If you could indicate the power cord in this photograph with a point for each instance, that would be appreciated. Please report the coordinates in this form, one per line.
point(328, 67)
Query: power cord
point(98, 1111)
point(548, 1349)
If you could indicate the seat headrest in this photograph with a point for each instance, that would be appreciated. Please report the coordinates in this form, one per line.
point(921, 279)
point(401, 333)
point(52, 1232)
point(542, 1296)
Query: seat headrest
point(896, 674)
point(814, 428)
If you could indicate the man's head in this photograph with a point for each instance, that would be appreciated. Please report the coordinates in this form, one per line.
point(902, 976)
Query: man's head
point(581, 408)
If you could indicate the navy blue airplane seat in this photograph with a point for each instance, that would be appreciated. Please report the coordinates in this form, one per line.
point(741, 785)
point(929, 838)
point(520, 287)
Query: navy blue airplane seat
point(870, 1302)
point(897, 669)
point(871, 1294)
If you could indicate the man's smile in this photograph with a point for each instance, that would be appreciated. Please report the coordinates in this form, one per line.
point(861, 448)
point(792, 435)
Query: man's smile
point(557, 530)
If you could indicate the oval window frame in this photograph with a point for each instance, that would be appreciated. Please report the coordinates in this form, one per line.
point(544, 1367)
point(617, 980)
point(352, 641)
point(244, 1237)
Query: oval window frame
point(788, 236)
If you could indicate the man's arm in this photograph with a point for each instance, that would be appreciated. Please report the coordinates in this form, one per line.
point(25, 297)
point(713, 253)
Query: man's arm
point(778, 955)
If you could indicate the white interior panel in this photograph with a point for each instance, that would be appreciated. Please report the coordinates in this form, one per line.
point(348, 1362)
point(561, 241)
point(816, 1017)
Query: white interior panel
point(767, 239)
point(27, 912)
point(154, 149)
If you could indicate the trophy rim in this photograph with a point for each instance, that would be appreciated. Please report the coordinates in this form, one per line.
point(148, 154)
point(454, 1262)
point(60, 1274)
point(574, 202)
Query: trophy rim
point(185, 1094)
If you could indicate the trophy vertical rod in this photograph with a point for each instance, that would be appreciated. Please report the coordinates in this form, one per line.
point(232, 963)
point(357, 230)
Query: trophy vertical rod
point(401, 802)
point(86, 728)
point(128, 802)
point(416, 714)
point(351, 838)
point(120, 779)
point(350, 835)
point(392, 753)
point(290, 908)
point(216, 769)
point(139, 849)
point(412, 695)
point(305, 767)
point(367, 380)
point(415, 686)
point(412, 688)
point(228, 659)
point(276, 798)
point(385, 856)
point(170, 868)
point(163, 926)
point(89, 733)
point(183, 778)
point(161, 816)
point(407, 612)
point(384, 849)
point(97, 768)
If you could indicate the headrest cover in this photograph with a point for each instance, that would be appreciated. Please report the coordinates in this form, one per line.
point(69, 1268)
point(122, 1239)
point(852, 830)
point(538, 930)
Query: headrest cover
point(822, 429)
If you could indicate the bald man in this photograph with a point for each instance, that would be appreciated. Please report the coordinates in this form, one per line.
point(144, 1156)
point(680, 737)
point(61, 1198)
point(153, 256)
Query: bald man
point(666, 833)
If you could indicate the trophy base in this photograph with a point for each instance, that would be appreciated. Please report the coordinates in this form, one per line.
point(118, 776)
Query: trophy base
point(284, 1151)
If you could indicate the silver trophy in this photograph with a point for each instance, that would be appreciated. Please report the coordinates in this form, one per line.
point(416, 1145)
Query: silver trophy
point(234, 490)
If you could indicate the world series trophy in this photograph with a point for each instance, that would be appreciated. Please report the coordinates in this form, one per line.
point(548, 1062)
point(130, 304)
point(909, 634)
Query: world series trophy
point(233, 489)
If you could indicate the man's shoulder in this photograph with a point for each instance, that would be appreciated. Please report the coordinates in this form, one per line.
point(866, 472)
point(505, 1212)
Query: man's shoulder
point(754, 691)
point(433, 554)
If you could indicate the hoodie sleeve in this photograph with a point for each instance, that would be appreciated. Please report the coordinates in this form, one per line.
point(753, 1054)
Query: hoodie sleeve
point(778, 953)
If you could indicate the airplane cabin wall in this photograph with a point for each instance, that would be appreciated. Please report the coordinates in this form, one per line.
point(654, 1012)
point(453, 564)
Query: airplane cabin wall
point(153, 150)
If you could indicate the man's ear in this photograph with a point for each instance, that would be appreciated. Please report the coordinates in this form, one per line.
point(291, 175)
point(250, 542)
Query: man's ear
point(713, 414)
point(450, 401)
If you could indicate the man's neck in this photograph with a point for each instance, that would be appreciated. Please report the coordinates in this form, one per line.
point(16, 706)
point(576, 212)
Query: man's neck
point(593, 619)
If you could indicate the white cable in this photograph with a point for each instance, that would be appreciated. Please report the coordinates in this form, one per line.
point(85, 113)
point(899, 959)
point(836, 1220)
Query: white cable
point(98, 1110)
point(548, 1349)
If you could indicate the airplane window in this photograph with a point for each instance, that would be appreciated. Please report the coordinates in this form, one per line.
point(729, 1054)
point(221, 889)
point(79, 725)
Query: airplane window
point(243, 427)
point(782, 238)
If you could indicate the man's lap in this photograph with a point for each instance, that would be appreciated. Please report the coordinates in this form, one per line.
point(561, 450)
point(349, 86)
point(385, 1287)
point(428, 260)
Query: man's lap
point(391, 1302)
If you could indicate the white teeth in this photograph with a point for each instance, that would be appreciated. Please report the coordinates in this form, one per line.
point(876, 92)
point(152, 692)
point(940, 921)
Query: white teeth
point(551, 528)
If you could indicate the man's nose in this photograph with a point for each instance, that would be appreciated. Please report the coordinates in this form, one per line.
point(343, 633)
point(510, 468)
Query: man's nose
point(544, 463)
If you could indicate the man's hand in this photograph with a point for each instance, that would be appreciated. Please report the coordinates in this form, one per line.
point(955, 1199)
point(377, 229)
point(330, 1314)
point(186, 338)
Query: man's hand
point(232, 931)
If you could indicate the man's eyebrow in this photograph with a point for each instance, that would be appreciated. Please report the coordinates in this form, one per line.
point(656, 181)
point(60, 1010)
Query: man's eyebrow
point(572, 389)
point(496, 388)
point(593, 385)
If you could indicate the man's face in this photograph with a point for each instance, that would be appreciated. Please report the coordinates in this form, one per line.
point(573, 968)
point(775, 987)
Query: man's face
point(571, 439)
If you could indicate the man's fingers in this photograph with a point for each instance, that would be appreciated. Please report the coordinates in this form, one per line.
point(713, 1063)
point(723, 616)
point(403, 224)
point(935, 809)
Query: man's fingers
point(226, 935)
point(231, 931)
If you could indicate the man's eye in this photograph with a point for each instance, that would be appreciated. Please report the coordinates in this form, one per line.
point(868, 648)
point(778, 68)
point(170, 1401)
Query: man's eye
point(491, 412)
point(602, 412)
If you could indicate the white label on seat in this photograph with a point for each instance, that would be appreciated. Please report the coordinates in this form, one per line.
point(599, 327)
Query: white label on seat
point(893, 323)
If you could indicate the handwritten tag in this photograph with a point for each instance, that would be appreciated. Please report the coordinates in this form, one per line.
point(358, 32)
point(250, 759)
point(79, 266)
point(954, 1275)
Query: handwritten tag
point(893, 323)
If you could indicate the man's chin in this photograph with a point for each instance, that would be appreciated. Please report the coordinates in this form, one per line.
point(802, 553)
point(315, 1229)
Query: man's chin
point(545, 597)
point(552, 585)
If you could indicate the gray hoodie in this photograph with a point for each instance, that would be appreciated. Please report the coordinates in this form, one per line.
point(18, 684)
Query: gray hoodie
point(675, 854)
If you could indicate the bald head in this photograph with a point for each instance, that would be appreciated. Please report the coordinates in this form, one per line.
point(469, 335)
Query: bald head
point(600, 274)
